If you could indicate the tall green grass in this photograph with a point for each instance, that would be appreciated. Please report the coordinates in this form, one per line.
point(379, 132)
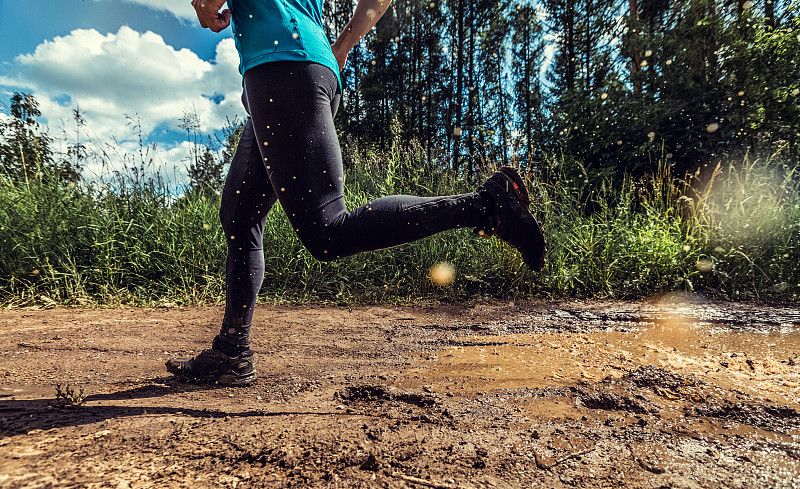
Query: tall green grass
point(732, 232)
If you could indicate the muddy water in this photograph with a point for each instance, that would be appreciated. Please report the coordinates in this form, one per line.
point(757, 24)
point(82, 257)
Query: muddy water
point(764, 365)
point(727, 385)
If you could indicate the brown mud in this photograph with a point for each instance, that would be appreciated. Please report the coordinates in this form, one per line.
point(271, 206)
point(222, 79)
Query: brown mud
point(670, 392)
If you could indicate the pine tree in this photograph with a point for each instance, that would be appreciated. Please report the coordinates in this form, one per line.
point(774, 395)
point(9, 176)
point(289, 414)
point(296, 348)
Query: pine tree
point(527, 60)
point(25, 147)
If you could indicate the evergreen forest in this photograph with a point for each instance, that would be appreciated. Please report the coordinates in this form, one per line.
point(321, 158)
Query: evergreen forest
point(612, 85)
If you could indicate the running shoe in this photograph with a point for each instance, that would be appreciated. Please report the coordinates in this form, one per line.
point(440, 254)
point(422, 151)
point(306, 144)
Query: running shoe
point(214, 366)
point(509, 217)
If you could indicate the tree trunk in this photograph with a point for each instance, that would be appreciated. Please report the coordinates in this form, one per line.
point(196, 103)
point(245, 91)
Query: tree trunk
point(527, 84)
point(769, 13)
point(502, 102)
point(636, 59)
point(430, 136)
point(570, 44)
point(471, 91)
point(459, 85)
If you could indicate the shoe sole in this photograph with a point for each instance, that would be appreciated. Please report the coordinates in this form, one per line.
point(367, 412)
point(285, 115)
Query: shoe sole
point(237, 381)
point(229, 380)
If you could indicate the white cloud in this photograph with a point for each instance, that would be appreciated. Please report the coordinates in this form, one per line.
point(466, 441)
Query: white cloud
point(128, 73)
point(3, 119)
point(179, 8)
point(549, 52)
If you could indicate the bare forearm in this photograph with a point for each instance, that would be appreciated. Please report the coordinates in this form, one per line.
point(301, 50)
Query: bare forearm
point(364, 18)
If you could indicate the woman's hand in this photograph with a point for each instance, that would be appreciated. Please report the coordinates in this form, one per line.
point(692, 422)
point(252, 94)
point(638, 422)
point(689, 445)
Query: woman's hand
point(209, 15)
point(340, 55)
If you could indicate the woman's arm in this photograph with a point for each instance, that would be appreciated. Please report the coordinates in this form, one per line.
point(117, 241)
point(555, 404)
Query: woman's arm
point(364, 18)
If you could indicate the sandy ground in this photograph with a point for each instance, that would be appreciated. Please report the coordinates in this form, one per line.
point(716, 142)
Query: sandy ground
point(670, 392)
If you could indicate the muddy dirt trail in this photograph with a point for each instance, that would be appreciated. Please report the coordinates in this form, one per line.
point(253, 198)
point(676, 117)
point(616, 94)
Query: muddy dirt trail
point(669, 392)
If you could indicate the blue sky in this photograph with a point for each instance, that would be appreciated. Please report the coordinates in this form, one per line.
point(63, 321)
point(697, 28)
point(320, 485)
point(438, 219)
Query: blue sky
point(119, 60)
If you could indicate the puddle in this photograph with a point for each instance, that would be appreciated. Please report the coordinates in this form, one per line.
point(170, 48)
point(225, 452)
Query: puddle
point(668, 385)
point(690, 371)
point(764, 366)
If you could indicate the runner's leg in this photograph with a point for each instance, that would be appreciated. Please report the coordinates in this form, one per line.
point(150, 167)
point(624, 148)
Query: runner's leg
point(246, 200)
point(292, 105)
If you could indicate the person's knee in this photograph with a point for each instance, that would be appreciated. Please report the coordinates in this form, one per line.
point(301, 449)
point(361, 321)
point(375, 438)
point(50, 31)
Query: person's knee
point(318, 232)
point(320, 249)
point(319, 244)
point(225, 216)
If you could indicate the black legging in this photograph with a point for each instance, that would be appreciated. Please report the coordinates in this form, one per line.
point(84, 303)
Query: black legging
point(289, 151)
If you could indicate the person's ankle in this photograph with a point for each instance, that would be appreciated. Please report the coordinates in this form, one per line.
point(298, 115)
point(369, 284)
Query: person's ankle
point(229, 348)
point(486, 218)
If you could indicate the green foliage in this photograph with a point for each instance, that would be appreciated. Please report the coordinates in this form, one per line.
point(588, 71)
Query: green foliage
point(92, 243)
point(25, 148)
point(206, 170)
point(731, 232)
point(694, 82)
point(69, 397)
point(766, 108)
point(627, 84)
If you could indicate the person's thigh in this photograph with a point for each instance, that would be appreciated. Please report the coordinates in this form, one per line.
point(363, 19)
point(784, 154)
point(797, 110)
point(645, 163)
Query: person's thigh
point(292, 106)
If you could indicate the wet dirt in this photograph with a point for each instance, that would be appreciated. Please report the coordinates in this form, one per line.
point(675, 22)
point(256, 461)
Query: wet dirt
point(670, 392)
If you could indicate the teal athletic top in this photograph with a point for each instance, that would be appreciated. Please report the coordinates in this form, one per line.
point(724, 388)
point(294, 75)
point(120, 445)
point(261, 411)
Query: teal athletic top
point(280, 30)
